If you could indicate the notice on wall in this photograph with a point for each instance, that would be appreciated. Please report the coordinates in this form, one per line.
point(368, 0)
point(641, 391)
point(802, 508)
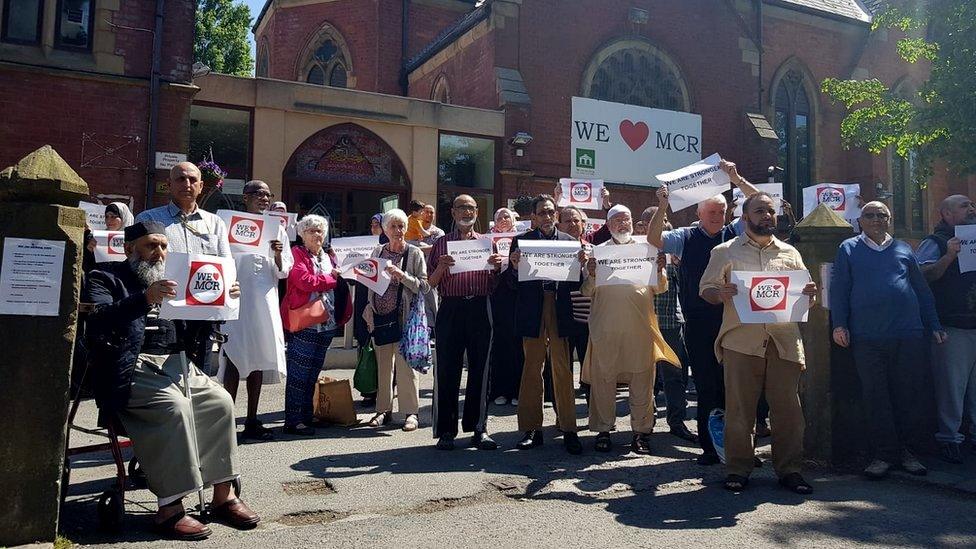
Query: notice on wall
point(631, 264)
point(773, 189)
point(353, 249)
point(967, 251)
point(469, 255)
point(30, 277)
point(586, 194)
point(203, 285)
point(370, 272)
point(109, 246)
point(842, 199)
point(249, 233)
point(694, 183)
point(826, 274)
point(771, 297)
point(96, 215)
point(549, 260)
point(502, 243)
point(289, 221)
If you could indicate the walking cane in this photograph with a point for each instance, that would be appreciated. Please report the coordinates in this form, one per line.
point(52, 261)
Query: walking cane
point(202, 508)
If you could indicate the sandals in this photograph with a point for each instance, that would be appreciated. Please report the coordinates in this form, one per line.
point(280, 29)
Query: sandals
point(736, 483)
point(603, 442)
point(795, 483)
point(381, 418)
point(411, 423)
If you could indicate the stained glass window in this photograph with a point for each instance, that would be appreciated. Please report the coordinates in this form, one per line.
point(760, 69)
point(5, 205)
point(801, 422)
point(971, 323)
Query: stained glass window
point(793, 122)
point(639, 76)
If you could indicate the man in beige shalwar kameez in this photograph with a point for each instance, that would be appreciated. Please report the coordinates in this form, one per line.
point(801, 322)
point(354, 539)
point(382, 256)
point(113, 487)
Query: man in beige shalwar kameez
point(625, 345)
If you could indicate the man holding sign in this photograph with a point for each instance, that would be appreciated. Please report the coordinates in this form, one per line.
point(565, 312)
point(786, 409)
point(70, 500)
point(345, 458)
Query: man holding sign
point(702, 319)
point(625, 340)
point(759, 357)
point(462, 326)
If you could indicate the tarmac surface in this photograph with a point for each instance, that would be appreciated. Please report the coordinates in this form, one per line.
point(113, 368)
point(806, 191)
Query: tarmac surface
point(379, 488)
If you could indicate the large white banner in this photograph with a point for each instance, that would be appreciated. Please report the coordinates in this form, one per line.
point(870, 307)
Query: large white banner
point(582, 193)
point(289, 221)
point(249, 233)
point(699, 181)
point(632, 264)
point(771, 297)
point(469, 255)
point(95, 214)
point(967, 252)
point(352, 249)
point(549, 260)
point(629, 144)
point(109, 246)
point(773, 189)
point(202, 288)
point(370, 272)
point(840, 198)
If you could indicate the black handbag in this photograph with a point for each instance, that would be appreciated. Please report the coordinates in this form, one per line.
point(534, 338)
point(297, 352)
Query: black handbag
point(386, 327)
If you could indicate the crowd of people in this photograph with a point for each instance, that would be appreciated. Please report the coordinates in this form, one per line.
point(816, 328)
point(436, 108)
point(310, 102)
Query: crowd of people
point(517, 338)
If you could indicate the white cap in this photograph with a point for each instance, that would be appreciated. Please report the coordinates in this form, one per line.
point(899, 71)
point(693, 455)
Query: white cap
point(618, 209)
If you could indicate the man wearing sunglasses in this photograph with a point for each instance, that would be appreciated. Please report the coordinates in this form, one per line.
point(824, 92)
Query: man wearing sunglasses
point(955, 300)
point(884, 311)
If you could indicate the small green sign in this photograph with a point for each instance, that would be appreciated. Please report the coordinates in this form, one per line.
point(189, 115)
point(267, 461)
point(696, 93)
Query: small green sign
point(586, 159)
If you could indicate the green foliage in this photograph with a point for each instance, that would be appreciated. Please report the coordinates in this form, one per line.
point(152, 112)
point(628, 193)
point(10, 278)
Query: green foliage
point(937, 122)
point(220, 37)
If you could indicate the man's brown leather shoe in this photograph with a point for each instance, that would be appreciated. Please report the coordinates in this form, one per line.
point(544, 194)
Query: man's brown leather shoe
point(236, 514)
point(183, 527)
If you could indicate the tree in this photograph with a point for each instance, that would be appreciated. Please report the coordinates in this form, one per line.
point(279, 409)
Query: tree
point(939, 122)
point(220, 39)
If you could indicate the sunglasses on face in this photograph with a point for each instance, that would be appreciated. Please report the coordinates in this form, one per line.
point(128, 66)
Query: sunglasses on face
point(876, 215)
point(262, 194)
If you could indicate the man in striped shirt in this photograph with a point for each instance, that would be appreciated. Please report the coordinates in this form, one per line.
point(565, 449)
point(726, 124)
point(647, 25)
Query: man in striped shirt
point(463, 325)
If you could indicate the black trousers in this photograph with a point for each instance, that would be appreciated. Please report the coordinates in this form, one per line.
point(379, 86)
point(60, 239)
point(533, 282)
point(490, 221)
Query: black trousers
point(700, 335)
point(462, 326)
point(672, 379)
point(506, 346)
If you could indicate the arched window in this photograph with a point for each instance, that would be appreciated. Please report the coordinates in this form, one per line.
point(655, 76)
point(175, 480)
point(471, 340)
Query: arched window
point(326, 60)
point(794, 125)
point(635, 72)
point(907, 199)
point(261, 67)
point(441, 91)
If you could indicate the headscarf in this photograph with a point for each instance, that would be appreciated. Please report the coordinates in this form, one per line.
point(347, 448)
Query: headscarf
point(121, 210)
point(279, 207)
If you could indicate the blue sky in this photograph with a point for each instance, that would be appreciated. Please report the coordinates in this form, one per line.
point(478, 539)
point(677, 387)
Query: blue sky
point(256, 6)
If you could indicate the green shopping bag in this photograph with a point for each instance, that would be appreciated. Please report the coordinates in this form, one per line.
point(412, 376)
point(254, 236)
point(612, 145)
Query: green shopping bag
point(365, 379)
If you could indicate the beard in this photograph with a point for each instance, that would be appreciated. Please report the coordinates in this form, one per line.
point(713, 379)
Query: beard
point(623, 236)
point(465, 222)
point(146, 271)
point(761, 230)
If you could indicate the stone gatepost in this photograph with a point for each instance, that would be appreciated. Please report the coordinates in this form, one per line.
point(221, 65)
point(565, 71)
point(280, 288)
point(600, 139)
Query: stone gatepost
point(39, 221)
point(829, 390)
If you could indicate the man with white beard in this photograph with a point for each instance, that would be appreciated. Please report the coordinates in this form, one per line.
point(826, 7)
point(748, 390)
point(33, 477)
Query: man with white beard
point(625, 344)
point(182, 445)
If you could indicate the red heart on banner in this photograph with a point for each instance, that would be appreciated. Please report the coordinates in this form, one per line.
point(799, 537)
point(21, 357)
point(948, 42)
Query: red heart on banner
point(635, 135)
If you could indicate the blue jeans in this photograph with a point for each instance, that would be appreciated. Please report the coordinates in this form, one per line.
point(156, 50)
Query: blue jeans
point(304, 361)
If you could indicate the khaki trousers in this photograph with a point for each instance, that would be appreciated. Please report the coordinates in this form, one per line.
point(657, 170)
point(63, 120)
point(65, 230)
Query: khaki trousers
point(531, 388)
point(745, 378)
point(603, 401)
point(388, 357)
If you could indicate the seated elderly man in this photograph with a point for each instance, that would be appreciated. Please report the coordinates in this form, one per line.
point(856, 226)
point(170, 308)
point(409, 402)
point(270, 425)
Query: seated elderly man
point(183, 445)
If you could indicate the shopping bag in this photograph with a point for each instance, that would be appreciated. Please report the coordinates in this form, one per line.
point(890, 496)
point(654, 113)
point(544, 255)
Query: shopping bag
point(716, 428)
point(333, 401)
point(415, 340)
point(366, 379)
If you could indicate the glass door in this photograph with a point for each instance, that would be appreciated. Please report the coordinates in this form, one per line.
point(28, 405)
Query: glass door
point(348, 210)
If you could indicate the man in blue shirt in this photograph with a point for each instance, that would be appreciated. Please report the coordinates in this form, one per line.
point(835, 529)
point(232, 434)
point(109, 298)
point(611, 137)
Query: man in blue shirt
point(883, 310)
point(702, 319)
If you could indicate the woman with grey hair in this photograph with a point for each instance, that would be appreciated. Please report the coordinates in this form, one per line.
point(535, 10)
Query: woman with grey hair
point(313, 277)
point(386, 315)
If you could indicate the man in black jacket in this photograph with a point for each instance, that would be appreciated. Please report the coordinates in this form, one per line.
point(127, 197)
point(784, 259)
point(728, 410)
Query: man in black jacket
point(545, 322)
point(183, 445)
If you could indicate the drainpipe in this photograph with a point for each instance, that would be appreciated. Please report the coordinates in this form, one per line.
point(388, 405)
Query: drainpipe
point(154, 103)
point(759, 32)
point(404, 42)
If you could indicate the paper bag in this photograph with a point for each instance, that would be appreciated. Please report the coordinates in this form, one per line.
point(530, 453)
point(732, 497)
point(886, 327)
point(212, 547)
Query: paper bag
point(333, 401)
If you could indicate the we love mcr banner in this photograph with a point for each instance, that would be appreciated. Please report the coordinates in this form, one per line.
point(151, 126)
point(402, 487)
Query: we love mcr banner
point(249, 233)
point(630, 144)
point(770, 297)
point(203, 285)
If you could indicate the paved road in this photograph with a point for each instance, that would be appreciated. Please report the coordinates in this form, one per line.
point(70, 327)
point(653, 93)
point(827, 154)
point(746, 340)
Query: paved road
point(382, 488)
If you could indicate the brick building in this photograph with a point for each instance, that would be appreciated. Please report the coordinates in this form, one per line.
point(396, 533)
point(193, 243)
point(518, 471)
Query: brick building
point(751, 68)
point(77, 74)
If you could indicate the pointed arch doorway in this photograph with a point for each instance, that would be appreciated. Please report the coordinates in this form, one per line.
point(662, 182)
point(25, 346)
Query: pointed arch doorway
point(345, 173)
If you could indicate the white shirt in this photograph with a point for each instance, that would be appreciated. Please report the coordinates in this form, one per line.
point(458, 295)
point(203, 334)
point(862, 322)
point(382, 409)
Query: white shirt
point(874, 245)
point(203, 232)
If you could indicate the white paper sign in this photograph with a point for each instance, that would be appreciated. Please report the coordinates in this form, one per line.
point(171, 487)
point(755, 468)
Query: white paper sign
point(549, 260)
point(249, 233)
point(289, 221)
point(469, 255)
point(629, 144)
point(694, 183)
point(166, 160)
point(502, 243)
point(842, 199)
point(109, 246)
point(203, 285)
point(826, 273)
point(593, 225)
point(771, 297)
point(773, 189)
point(96, 215)
point(631, 264)
point(967, 252)
point(582, 193)
point(30, 277)
point(370, 272)
point(523, 226)
point(353, 249)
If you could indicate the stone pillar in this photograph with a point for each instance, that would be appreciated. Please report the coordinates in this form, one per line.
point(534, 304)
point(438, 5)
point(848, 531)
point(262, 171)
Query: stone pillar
point(829, 389)
point(38, 200)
